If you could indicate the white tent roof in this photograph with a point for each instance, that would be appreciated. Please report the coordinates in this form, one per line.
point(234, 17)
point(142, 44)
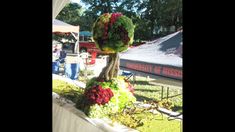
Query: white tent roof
point(58, 5)
point(59, 26)
point(151, 52)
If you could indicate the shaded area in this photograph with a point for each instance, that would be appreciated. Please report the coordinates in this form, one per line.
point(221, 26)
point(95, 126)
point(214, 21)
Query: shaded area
point(161, 81)
point(172, 43)
point(141, 83)
point(177, 108)
point(172, 96)
point(142, 98)
point(147, 90)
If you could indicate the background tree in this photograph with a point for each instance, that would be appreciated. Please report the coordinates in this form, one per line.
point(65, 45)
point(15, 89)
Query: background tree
point(71, 14)
point(86, 21)
point(152, 18)
point(102, 6)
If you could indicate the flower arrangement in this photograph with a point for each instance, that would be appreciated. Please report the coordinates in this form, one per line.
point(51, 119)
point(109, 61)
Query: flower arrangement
point(98, 95)
point(108, 93)
point(102, 98)
point(113, 32)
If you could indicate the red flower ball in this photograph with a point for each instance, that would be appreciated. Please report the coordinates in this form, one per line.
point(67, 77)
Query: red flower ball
point(98, 95)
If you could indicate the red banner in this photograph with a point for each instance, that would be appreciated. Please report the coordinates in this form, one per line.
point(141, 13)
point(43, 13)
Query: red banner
point(156, 69)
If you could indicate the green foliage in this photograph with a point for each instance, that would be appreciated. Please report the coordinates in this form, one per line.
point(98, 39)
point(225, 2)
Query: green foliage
point(143, 120)
point(71, 14)
point(122, 98)
point(127, 120)
point(67, 90)
point(91, 82)
point(138, 118)
point(74, 14)
point(113, 32)
point(165, 103)
point(160, 123)
point(152, 18)
point(101, 111)
point(86, 20)
point(101, 6)
point(127, 23)
point(161, 15)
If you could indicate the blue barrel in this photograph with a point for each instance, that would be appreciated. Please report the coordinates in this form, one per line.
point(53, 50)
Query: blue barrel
point(72, 70)
point(55, 67)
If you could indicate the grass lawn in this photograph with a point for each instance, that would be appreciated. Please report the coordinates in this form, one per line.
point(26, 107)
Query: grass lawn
point(161, 124)
point(146, 91)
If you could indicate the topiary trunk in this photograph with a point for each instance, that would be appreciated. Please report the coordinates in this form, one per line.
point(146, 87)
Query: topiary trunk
point(111, 69)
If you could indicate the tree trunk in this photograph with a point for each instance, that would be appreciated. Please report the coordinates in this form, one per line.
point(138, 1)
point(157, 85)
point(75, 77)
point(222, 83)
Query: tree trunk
point(112, 68)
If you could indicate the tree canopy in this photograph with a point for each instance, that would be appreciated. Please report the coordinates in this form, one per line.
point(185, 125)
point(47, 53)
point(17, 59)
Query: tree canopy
point(152, 18)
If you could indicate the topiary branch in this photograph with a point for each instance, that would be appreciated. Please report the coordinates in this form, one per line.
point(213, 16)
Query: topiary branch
point(111, 70)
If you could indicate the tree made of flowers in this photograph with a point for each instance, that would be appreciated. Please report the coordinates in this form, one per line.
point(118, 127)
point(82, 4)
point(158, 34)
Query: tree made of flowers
point(112, 33)
point(109, 93)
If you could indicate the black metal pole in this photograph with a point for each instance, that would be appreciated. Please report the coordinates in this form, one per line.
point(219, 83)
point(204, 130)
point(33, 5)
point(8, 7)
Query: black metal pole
point(162, 93)
point(167, 94)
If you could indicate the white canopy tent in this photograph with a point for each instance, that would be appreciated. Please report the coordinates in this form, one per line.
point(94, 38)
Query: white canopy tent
point(58, 5)
point(59, 26)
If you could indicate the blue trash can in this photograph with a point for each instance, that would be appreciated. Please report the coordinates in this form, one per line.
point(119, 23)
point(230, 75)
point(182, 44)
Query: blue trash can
point(72, 70)
point(55, 67)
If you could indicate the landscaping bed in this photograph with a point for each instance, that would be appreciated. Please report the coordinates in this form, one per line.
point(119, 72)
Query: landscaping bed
point(140, 118)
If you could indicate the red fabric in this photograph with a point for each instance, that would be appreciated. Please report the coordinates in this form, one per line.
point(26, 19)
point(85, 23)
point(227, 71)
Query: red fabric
point(93, 58)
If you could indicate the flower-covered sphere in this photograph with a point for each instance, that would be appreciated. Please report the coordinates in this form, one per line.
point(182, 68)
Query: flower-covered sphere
point(113, 32)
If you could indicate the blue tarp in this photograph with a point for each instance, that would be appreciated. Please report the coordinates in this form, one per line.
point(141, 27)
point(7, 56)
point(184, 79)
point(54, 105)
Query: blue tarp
point(85, 33)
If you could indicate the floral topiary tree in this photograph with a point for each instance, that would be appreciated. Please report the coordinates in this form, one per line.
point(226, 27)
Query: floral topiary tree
point(112, 33)
point(109, 93)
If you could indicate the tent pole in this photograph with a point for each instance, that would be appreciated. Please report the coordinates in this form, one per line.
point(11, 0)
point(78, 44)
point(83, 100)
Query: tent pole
point(76, 47)
point(73, 35)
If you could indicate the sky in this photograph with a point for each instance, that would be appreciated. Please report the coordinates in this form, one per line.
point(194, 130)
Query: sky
point(76, 1)
point(79, 2)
